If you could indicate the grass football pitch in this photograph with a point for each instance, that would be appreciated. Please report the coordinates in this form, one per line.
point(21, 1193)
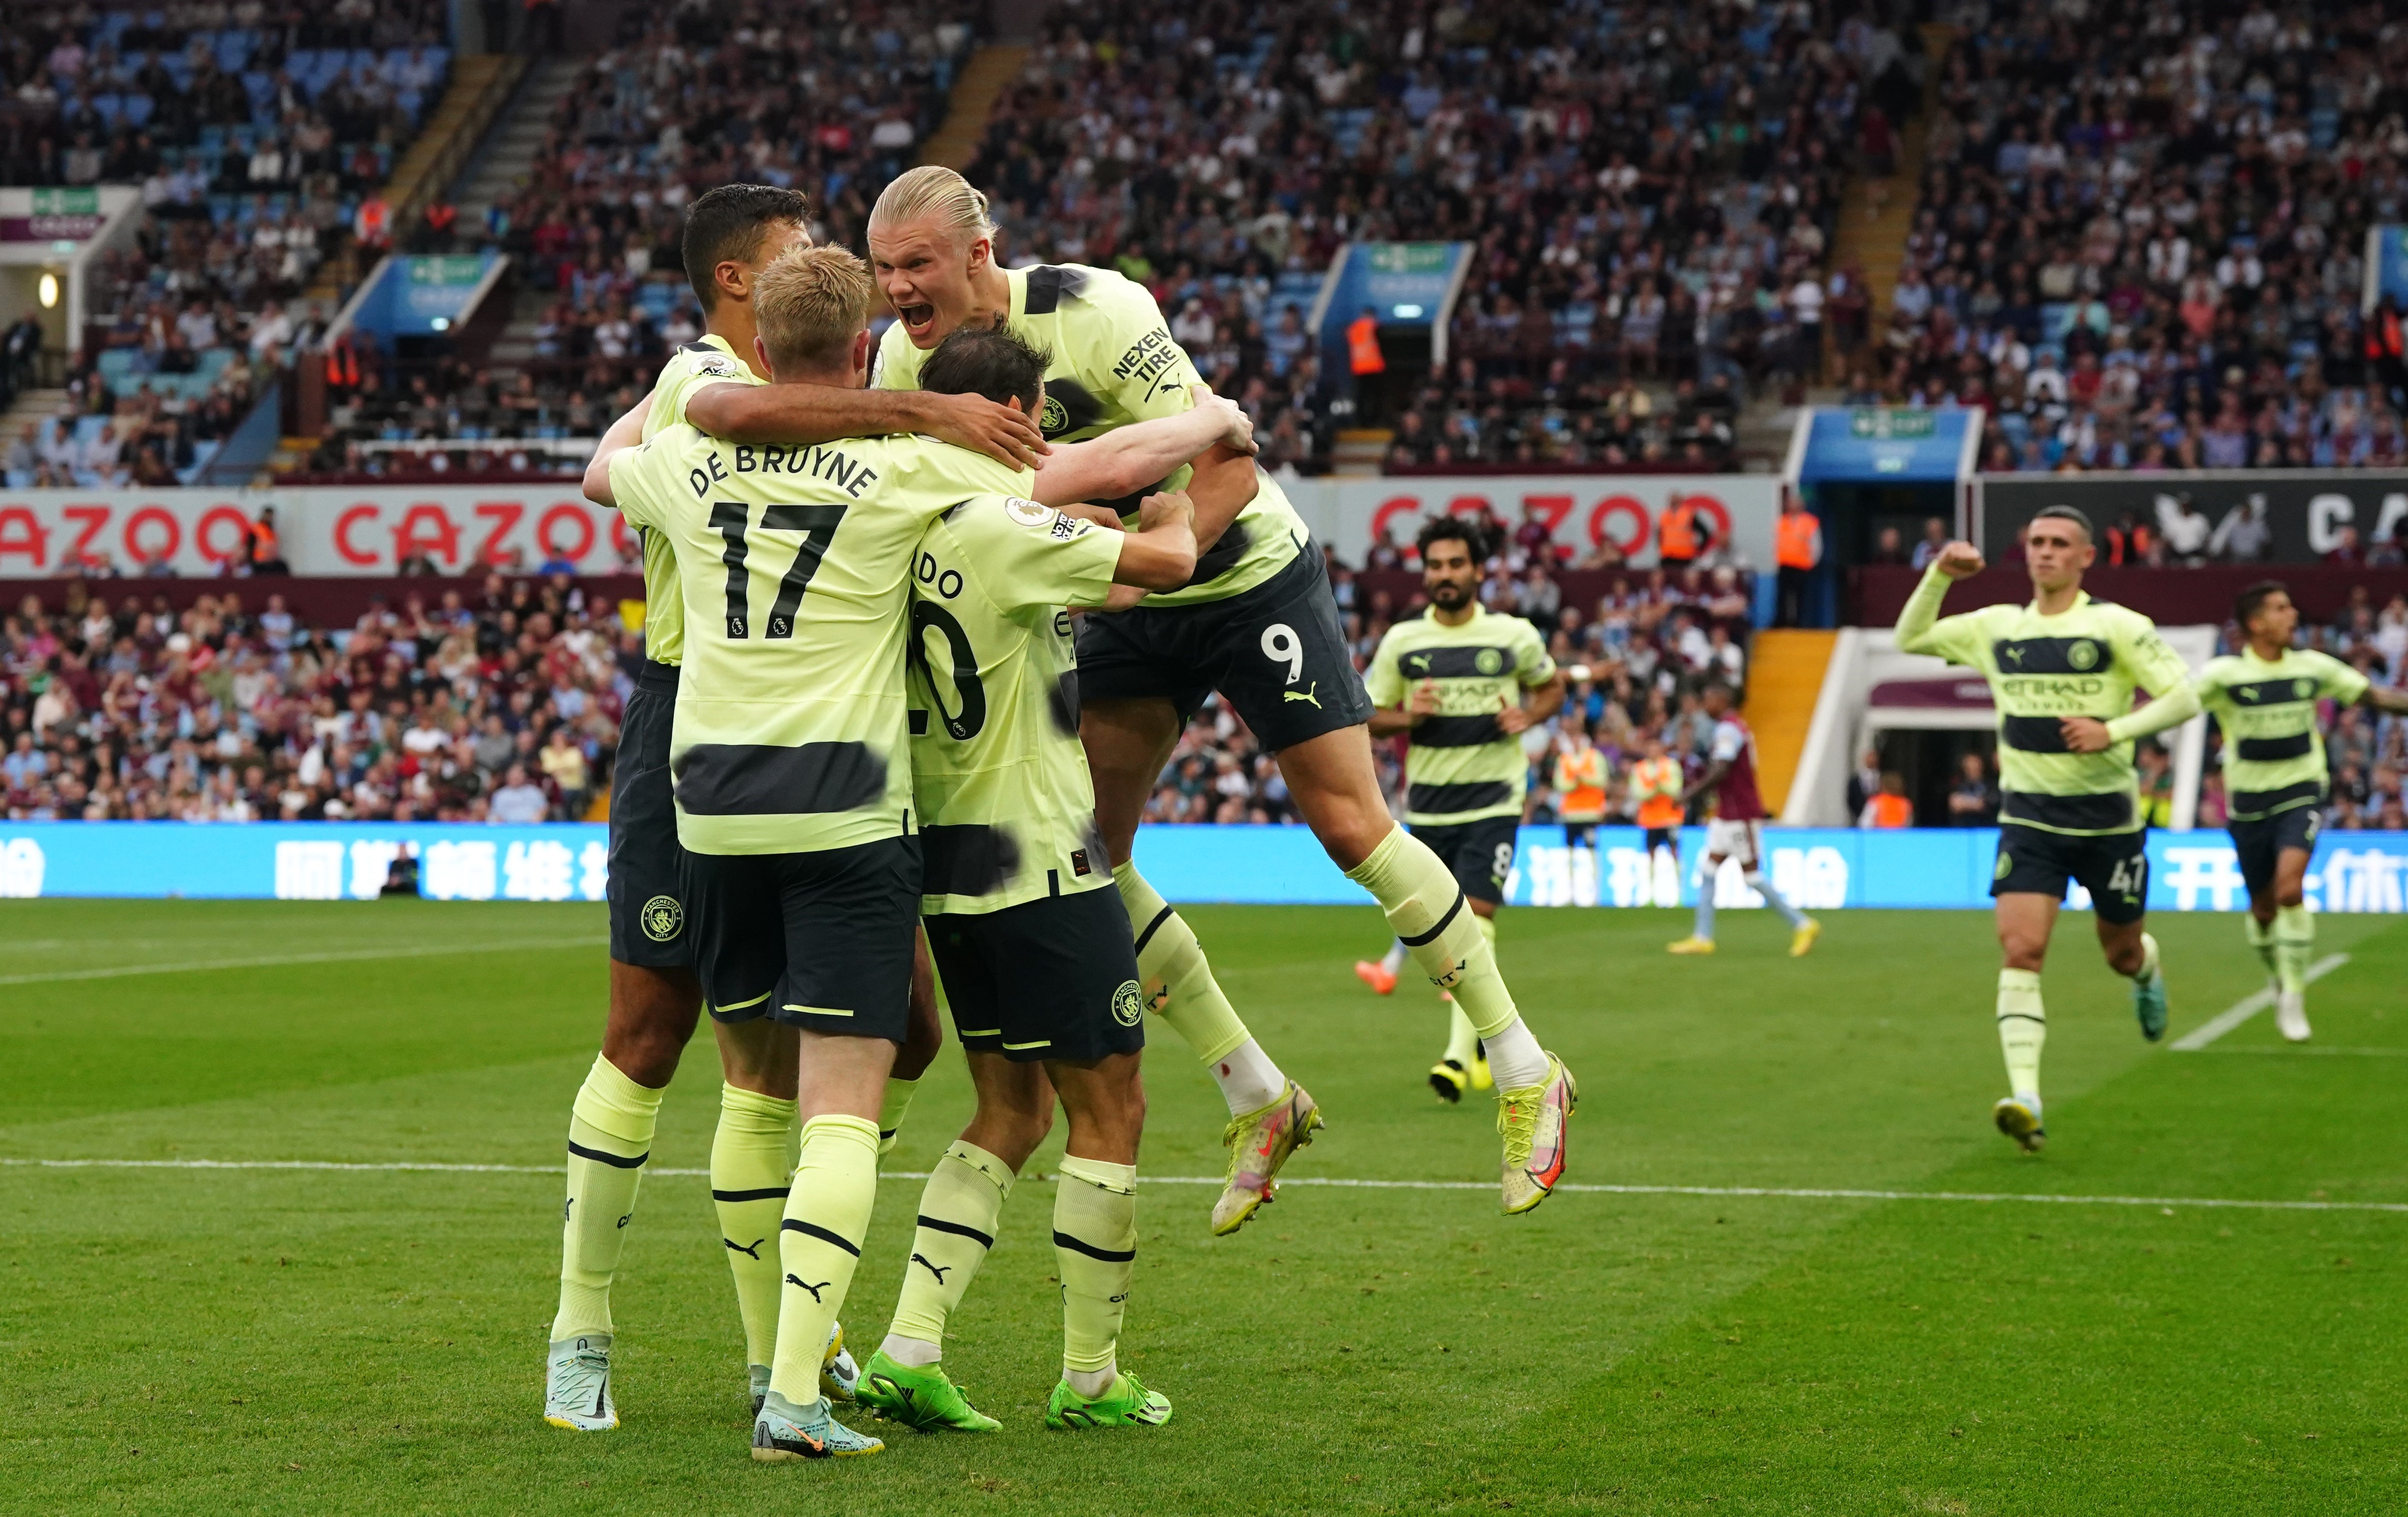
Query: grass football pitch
point(184, 1338)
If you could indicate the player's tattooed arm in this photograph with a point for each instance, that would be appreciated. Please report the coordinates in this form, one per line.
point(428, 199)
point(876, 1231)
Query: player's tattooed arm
point(808, 413)
point(624, 433)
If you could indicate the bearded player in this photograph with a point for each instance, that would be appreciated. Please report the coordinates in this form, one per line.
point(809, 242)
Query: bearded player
point(1453, 683)
point(2062, 670)
point(1737, 830)
point(1256, 624)
point(2265, 698)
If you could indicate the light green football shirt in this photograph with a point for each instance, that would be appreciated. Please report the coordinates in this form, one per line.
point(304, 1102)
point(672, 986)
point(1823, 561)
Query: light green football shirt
point(2086, 661)
point(795, 571)
point(1006, 809)
point(691, 368)
point(2273, 744)
point(1459, 764)
point(1114, 362)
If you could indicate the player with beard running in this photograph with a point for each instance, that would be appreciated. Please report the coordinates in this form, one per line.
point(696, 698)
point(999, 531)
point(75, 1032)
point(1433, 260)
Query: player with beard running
point(1257, 624)
point(1453, 682)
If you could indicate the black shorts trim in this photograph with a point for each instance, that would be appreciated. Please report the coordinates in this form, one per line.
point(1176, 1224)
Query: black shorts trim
point(2036, 861)
point(2257, 805)
point(1479, 854)
point(1182, 653)
point(2260, 841)
point(648, 911)
point(1054, 978)
point(821, 941)
point(2109, 813)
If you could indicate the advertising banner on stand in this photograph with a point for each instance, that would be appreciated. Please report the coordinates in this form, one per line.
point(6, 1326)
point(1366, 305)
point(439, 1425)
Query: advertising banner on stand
point(462, 529)
point(1351, 514)
point(44, 534)
point(2302, 513)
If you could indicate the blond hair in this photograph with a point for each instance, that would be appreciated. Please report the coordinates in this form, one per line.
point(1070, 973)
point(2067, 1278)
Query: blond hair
point(937, 193)
point(810, 304)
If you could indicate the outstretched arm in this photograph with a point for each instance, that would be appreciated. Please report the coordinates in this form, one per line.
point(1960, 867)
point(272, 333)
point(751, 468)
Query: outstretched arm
point(2385, 699)
point(807, 413)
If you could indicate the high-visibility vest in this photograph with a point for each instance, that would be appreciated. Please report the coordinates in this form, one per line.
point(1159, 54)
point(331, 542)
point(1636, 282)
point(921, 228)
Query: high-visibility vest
point(1363, 347)
point(343, 364)
point(1580, 778)
point(1657, 782)
point(1678, 532)
point(263, 543)
point(1892, 810)
point(1793, 540)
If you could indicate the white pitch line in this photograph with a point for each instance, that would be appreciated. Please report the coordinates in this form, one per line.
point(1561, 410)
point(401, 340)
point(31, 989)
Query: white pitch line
point(2287, 1050)
point(120, 971)
point(1723, 1192)
point(2247, 1007)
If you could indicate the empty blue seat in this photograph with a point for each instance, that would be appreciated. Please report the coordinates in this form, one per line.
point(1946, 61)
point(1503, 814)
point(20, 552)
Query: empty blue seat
point(137, 110)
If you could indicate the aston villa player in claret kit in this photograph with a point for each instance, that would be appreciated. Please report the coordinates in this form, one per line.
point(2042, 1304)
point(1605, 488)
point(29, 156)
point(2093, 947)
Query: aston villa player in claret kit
point(1737, 830)
point(2062, 670)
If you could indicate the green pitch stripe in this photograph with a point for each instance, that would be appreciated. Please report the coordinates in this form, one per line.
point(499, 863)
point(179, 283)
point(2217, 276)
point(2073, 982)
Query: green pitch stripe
point(1728, 1192)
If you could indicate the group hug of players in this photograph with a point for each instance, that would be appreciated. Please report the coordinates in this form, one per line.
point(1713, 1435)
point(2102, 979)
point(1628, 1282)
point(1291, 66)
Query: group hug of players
point(872, 745)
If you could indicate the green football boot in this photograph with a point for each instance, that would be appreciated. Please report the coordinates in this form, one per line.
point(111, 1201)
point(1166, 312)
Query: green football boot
point(924, 1398)
point(1127, 1404)
point(2149, 1004)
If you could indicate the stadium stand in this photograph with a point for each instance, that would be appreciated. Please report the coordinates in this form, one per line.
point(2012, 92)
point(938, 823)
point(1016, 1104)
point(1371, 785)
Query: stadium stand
point(831, 100)
point(2141, 245)
point(496, 704)
point(255, 134)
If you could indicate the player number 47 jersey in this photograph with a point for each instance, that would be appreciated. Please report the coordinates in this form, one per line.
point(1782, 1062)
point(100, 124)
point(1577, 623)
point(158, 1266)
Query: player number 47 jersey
point(1006, 809)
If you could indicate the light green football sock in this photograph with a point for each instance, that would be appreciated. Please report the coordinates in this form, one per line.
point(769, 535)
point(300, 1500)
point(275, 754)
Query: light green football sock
point(2295, 944)
point(2261, 937)
point(1434, 918)
point(610, 1137)
point(751, 1163)
point(827, 1214)
point(2023, 1031)
point(959, 1210)
point(1095, 1237)
point(2149, 960)
point(892, 1111)
point(1176, 980)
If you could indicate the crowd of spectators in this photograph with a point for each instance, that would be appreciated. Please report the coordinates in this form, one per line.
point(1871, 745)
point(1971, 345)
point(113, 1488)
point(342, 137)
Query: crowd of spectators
point(834, 99)
point(1651, 189)
point(2141, 238)
point(254, 132)
point(497, 706)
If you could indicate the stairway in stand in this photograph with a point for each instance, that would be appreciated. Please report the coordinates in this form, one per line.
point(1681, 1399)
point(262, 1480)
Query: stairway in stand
point(1877, 214)
point(982, 79)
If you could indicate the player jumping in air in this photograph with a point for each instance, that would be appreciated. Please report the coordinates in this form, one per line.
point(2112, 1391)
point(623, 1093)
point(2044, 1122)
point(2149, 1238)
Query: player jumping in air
point(1453, 682)
point(1737, 830)
point(1258, 624)
point(2265, 700)
point(1032, 941)
point(2062, 670)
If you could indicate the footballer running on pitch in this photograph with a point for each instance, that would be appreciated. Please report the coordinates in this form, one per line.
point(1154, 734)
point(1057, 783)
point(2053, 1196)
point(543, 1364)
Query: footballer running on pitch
point(731, 234)
point(1258, 624)
point(2062, 669)
point(791, 781)
point(1033, 946)
point(1452, 682)
point(2265, 697)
